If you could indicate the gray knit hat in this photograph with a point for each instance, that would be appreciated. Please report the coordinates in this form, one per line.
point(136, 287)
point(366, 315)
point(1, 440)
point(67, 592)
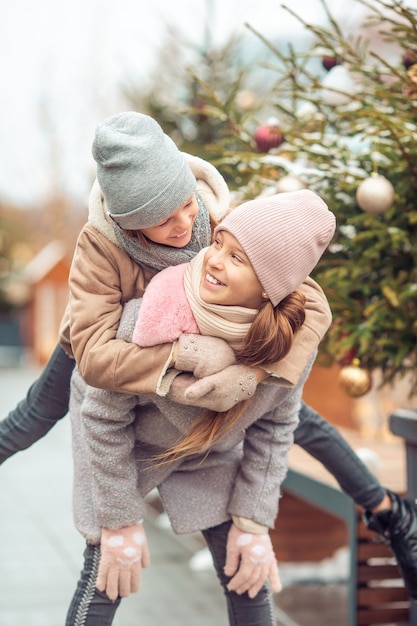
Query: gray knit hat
point(283, 236)
point(142, 174)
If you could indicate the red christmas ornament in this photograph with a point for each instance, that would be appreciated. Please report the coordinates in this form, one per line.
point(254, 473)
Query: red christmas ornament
point(329, 61)
point(268, 136)
point(349, 355)
point(347, 358)
point(409, 58)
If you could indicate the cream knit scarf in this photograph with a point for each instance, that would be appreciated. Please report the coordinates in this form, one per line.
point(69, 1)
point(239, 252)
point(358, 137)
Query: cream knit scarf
point(230, 323)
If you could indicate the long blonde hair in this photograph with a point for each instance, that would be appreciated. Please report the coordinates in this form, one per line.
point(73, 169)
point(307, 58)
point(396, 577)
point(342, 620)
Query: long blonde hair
point(269, 339)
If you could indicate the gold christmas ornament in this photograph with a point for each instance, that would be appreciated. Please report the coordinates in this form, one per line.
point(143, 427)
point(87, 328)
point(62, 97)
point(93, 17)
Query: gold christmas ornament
point(356, 381)
point(375, 194)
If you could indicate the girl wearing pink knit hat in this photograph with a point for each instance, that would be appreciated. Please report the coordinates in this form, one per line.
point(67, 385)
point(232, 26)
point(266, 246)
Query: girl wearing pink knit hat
point(243, 290)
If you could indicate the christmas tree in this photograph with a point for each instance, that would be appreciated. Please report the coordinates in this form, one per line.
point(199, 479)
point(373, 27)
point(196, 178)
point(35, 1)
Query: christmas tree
point(345, 127)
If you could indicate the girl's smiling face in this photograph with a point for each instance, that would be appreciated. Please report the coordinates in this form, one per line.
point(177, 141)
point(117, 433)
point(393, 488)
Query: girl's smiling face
point(228, 278)
point(176, 230)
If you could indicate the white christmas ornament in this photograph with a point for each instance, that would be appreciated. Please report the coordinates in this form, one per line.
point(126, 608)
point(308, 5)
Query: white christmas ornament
point(289, 183)
point(375, 194)
point(246, 100)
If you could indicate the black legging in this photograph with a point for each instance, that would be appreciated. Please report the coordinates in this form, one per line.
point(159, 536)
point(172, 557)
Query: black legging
point(46, 402)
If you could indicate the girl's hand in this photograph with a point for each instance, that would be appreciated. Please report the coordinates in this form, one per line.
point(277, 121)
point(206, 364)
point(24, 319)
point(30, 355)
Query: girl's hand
point(123, 554)
point(221, 391)
point(202, 355)
point(250, 559)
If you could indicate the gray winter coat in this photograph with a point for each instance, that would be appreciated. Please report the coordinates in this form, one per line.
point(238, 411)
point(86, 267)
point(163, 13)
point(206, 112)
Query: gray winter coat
point(116, 440)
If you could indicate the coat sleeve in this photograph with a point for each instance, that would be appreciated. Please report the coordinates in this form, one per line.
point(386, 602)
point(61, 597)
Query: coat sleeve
point(264, 464)
point(107, 418)
point(307, 339)
point(101, 281)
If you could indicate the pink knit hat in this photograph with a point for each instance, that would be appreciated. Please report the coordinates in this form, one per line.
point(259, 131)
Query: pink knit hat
point(283, 236)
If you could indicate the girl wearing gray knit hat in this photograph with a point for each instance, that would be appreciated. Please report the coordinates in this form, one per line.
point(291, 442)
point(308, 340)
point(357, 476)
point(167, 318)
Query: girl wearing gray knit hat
point(142, 174)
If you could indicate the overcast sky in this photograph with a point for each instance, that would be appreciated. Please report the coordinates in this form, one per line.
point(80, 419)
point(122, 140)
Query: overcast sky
point(67, 58)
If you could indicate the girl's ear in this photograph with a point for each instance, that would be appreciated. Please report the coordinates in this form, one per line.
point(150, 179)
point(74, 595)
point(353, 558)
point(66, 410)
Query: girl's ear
point(265, 295)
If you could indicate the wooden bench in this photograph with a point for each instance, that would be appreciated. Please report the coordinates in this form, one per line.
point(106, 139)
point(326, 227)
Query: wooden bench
point(376, 593)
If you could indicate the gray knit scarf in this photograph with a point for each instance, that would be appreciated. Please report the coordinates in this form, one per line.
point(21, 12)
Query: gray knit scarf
point(156, 257)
